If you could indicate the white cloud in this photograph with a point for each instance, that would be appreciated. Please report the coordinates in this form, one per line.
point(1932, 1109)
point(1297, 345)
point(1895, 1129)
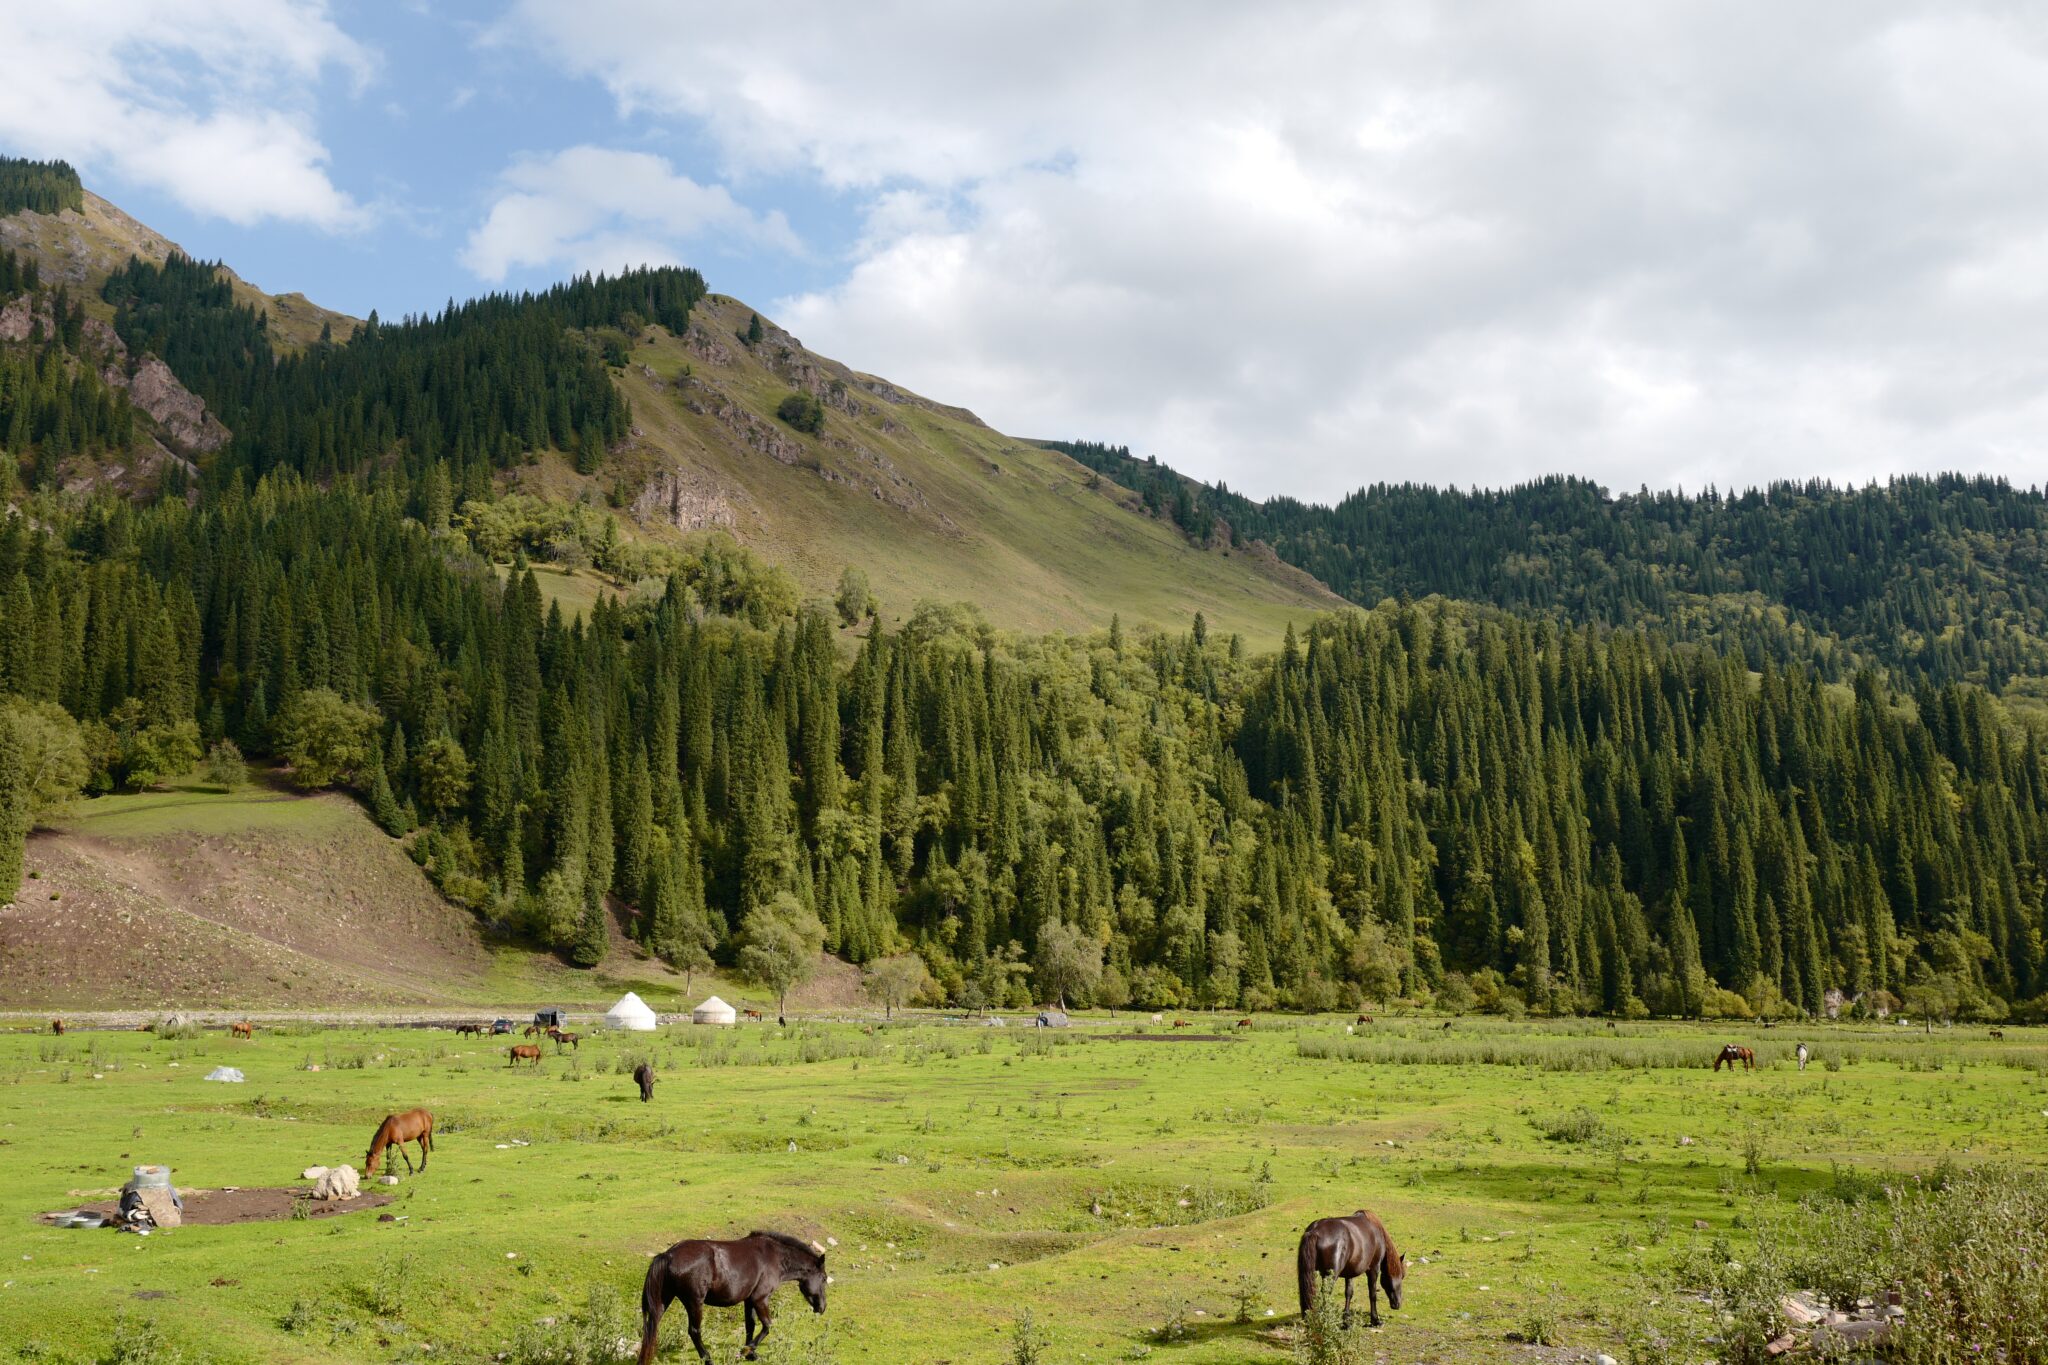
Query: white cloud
point(206, 100)
point(596, 208)
point(1304, 247)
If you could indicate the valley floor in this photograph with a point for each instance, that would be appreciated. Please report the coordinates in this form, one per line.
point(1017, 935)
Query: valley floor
point(1130, 1189)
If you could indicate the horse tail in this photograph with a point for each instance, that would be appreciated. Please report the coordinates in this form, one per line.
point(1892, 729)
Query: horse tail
point(1305, 1273)
point(653, 1300)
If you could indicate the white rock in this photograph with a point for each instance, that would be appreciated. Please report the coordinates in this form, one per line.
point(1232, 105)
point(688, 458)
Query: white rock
point(388, 1179)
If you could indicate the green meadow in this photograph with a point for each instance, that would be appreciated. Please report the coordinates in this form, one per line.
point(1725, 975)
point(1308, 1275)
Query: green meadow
point(1139, 1196)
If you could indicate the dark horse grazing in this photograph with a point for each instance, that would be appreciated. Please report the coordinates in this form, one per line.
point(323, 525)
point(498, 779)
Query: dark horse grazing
point(1350, 1247)
point(414, 1125)
point(57, 1026)
point(643, 1076)
point(1736, 1056)
point(476, 1029)
point(721, 1274)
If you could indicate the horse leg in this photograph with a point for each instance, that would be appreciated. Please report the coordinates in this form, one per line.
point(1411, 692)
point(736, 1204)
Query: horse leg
point(423, 1153)
point(761, 1311)
point(1372, 1299)
point(407, 1155)
point(694, 1306)
point(1347, 1303)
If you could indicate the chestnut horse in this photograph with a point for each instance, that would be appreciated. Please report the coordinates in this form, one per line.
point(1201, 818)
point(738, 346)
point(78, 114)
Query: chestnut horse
point(524, 1052)
point(643, 1076)
point(1735, 1056)
point(414, 1125)
point(1244, 1023)
point(1350, 1247)
point(562, 1039)
point(721, 1274)
point(57, 1026)
point(477, 1029)
point(754, 1015)
point(245, 1029)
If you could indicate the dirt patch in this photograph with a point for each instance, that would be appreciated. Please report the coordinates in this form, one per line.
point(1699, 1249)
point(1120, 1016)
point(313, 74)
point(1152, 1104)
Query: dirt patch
point(219, 1208)
point(1157, 1037)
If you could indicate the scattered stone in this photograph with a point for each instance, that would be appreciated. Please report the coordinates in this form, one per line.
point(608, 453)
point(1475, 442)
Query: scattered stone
point(341, 1182)
point(1604, 1359)
point(232, 1074)
point(1701, 1224)
point(387, 1179)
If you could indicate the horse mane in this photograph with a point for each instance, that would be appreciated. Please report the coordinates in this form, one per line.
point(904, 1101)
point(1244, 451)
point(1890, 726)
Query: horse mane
point(789, 1243)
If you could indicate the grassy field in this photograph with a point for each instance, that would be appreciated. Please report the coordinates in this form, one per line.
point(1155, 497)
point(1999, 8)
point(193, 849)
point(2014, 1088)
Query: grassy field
point(1132, 1193)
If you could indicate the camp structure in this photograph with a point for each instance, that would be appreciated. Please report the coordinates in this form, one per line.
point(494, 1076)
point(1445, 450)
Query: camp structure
point(551, 1018)
point(714, 1011)
point(631, 1014)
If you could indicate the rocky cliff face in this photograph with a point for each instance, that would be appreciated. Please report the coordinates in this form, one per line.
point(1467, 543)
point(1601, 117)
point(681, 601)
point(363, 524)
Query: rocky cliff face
point(177, 411)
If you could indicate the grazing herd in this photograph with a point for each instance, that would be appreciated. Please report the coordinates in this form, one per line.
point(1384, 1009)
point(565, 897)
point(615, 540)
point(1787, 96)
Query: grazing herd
point(746, 1271)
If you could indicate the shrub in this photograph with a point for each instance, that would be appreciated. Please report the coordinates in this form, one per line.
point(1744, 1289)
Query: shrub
point(803, 412)
point(1579, 1125)
point(1323, 1339)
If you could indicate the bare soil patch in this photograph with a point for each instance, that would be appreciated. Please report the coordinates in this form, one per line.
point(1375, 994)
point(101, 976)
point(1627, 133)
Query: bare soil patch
point(219, 1208)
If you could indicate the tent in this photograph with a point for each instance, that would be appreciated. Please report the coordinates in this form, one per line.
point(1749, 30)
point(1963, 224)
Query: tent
point(630, 1013)
point(551, 1018)
point(714, 1011)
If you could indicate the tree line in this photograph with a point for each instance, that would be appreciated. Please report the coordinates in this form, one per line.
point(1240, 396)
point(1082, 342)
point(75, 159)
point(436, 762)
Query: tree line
point(1938, 579)
point(39, 186)
point(53, 401)
point(1430, 801)
point(472, 388)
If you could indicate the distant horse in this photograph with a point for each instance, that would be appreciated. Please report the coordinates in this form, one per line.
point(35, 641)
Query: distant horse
point(1365, 1018)
point(522, 1052)
point(563, 1040)
point(57, 1026)
point(1997, 1034)
point(1802, 1054)
point(531, 1031)
point(1182, 1023)
point(1447, 1026)
point(1736, 1056)
point(1244, 1023)
point(414, 1125)
point(643, 1076)
point(244, 1029)
point(1348, 1248)
point(754, 1015)
point(476, 1029)
point(720, 1274)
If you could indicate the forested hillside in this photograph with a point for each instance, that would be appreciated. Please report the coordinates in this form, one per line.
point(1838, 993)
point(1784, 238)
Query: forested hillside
point(1939, 579)
point(1419, 801)
point(1522, 801)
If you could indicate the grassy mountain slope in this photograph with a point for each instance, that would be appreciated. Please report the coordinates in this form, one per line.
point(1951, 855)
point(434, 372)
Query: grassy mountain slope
point(263, 898)
point(927, 499)
point(83, 248)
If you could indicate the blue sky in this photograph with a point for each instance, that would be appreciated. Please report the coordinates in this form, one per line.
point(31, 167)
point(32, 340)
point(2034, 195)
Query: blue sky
point(1300, 246)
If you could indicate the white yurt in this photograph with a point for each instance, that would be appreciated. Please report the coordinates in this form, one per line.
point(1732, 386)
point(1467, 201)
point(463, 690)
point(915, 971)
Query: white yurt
point(714, 1011)
point(631, 1013)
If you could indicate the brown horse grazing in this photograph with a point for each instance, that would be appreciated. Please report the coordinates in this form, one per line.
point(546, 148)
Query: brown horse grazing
point(414, 1125)
point(1365, 1018)
point(1244, 1023)
point(754, 1015)
point(562, 1039)
point(643, 1076)
point(57, 1026)
point(1350, 1247)
point(531, 1031)
point(1997, 1034)
point(523, 1052)
point(477, 1029)
point(1736, 1056)
point(245, 1029)
point(721, 1274)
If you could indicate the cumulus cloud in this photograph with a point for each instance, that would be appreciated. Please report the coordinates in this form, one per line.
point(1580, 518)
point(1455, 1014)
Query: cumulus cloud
point(1303, 247)
point(206, 100)
point(595, 208)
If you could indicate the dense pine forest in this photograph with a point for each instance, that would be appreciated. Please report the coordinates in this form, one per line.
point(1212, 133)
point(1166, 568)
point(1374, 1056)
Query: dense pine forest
point(1478, 804)
point(1937, 579)
point(39, 186)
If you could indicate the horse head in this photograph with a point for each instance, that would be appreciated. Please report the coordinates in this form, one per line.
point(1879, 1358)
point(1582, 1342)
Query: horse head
point(1392, 1271)
point(812, 1282)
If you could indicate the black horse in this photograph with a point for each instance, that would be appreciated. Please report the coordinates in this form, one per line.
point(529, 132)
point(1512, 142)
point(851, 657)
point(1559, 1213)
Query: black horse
point(643, 1076)
point(721, 1274)
point(1350, 1247)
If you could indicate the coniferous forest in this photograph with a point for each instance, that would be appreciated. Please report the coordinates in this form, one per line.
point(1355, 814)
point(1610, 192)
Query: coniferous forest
point(1940, 579)
point(1513, 803)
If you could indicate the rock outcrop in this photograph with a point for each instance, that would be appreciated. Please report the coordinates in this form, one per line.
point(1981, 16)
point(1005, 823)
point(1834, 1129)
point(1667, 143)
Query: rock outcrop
point(177, 411)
